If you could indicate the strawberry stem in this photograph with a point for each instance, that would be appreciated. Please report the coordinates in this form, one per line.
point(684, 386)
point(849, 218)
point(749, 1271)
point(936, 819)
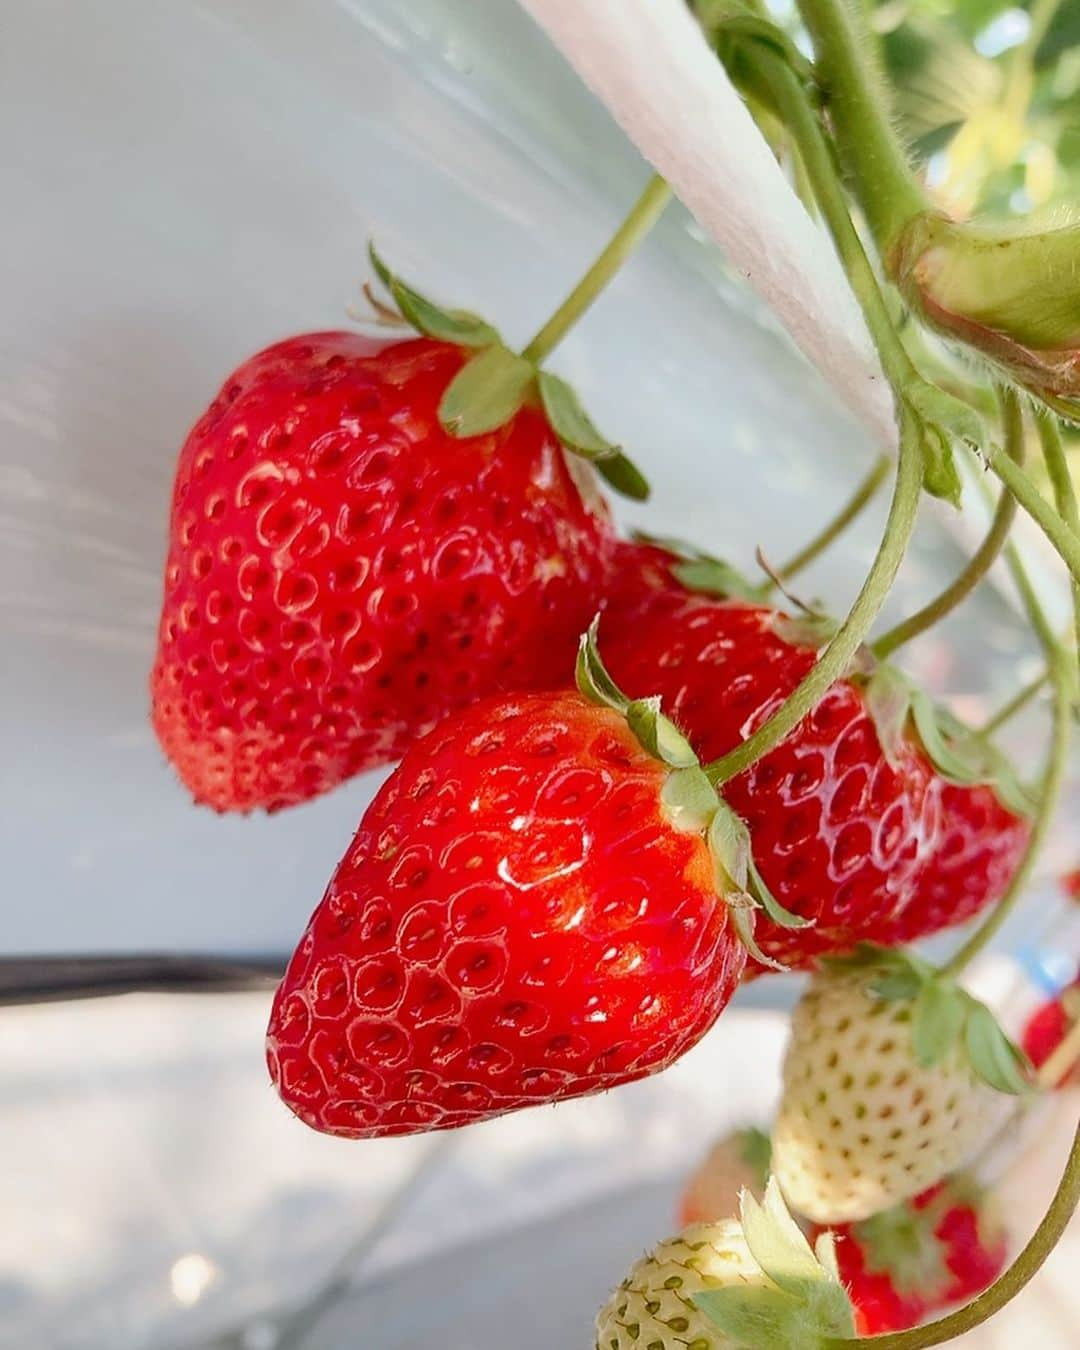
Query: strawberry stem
point(858, 106)
point(1004, 1289)
point(860, 498)
point(962, 586)
point(643, 215)
point(1057, 1065)
point(1064, 495)
point(1057, 760)
point(1065, 539)
point(1019, 700)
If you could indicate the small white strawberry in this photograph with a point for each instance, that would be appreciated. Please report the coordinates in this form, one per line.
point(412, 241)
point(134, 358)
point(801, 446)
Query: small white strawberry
point(892, 1079)
point(721, 1285)
point(736, 1162)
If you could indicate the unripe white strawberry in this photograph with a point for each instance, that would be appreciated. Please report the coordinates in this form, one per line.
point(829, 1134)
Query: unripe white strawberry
point(892, 1079)
point(708, 1287)
point(736, 1162)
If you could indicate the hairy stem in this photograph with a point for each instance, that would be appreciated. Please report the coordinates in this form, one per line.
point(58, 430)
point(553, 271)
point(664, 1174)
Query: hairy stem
point(858, 105)
point(1064, 495)
point(837, 656)
point(860, 498)
point(643, 215)
point(1064, 539)
point(1004, 1289)
point(953, 595)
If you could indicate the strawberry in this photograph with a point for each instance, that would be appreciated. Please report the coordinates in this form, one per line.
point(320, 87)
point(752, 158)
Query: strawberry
point(892, 1079)
point(940, 1248)
point(855, 827)
point(1048, 1026)
point(342, 572)
point(529, 911)
point(726, 1284)
point(736, 1162)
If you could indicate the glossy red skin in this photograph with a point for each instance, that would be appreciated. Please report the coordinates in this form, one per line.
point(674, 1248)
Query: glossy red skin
point(342, 573)
point(972, 1251)
point(514, 923)
point(1044, 1031)
point(869, 851)
point(838, 834)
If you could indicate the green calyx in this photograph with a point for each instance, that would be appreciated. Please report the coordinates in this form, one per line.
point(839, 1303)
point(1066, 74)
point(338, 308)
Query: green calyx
point(960, 755)
point(801, 1302)
point(943, 1016)
point(755, 1150)
point(1012, 295)
point(900, 1243)
point(690, 801)
point(701, 572)
point(495, 383)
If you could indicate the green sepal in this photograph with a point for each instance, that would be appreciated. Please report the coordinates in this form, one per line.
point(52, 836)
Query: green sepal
point(888, 701)
point(743, 910)
point(755, 1150)
point(729, 843)
point(569, 421)
point(937, 1019)
point(623, 476)
point(782, 917)
point(690, 799)
point(805, 630)
point(900, 1243)
point(445, 325)
point(701, 572)
point(486, 392)
point(992, 1055)
point(658, 734)
point(803, 1303)
point(591, 675)
point(946, 420)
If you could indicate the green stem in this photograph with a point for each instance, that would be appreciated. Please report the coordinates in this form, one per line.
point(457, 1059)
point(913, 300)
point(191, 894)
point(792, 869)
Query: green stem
point(860, 498)
point(981, 562)
point(858, 105)
point(1064, 495)
point(643, 216)
point(1064, 539)
point(837, 656)
point(1057, 761)
point(1019, 700)
point(1004, 1289)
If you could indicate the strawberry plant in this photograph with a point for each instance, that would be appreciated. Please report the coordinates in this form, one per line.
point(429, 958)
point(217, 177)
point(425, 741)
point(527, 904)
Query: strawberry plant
point(628, 775)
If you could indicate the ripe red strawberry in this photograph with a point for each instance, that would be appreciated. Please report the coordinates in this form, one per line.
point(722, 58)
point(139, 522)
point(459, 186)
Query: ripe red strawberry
point(517, 920)
point(342, 572)
point(866, 845)
point(1048, 1026)
point(941, 1248)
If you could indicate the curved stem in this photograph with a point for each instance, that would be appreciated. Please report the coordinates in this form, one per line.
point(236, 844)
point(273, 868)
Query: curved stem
point(1065, 540)
point(860, 498)
point(858, 104)
point(978, 566)
point(1058, 757)
point(1064, 495)
point(836, 658)
point(1004, 1289)
point(1019, 700)
point(1061, 1060)
point(643, 216)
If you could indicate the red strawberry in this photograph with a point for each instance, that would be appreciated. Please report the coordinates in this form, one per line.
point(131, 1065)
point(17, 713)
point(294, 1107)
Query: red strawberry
point(1048, 1026)
point(342, 572)
point(517, 920)
point(941, 1248)
point(866, 848)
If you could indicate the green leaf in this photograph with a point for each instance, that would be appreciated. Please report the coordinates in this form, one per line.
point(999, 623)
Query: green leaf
point(769, 903)
point(658, 734)
point(743, 910)
point(690, 799)
point(940, 475)
point(937, 1019)
point(888, 701)
point(993, 1057)
point(946, 420)
point(569, 420)
point(591, 675)
point(624, 476)
point(486, 392)
point(445, 325)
